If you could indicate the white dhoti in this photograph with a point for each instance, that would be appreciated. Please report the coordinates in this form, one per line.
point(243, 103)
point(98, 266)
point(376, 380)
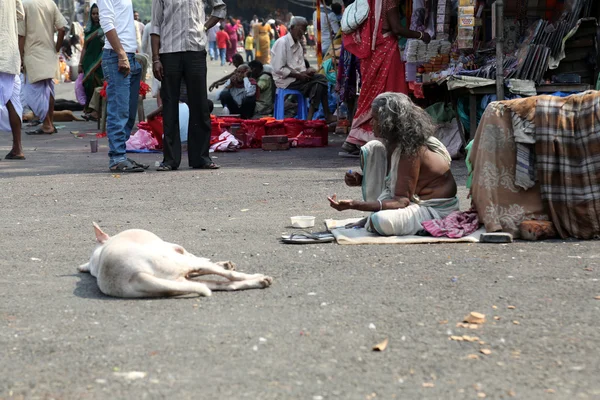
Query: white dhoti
point(378, 184)
point(10, 90)
point(37, 96)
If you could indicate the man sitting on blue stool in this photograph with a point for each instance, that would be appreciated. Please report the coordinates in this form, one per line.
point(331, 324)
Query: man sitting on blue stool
point(290, 71)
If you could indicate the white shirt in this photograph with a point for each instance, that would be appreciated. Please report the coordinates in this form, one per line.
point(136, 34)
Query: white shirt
point(286, 56)
point(239, 94)
point(326, 32)
point(10, 59)
point(118, 15)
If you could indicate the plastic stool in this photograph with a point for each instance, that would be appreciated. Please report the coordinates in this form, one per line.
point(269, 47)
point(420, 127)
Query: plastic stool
point(279, 112)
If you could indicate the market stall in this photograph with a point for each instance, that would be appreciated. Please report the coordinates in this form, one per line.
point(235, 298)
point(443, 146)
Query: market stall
point(484, 51)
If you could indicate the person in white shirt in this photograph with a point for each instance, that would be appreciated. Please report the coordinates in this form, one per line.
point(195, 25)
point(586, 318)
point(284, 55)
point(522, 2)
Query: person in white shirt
point(290, 70)
point(123, 74)
point(329, 25)
point(239, 95)
point(213, 51)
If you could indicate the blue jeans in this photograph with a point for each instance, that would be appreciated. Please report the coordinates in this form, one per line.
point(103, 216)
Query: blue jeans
point(213, 52)
point(121, 103)
point(222, 54)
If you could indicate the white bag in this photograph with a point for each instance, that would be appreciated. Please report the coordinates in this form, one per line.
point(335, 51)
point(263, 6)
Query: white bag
point(354, 15)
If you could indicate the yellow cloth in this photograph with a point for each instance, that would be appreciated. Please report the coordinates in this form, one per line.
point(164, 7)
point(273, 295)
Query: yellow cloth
point(249, 43)
point(263, 47)
point(10, 60)
point(42, 19)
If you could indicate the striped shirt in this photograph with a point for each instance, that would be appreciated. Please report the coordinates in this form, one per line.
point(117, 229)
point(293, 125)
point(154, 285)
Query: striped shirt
point(180, 23)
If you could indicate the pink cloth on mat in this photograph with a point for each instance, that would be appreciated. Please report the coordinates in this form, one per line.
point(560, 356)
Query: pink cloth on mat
point(456, 225)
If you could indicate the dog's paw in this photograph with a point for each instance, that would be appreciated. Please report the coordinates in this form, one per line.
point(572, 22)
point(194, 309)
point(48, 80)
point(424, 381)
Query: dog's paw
point(265, 281)
point(84, 267)
point(228, 265)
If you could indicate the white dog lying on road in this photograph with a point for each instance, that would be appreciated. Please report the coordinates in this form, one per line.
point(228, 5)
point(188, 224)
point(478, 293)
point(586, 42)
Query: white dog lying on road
point(137, 263)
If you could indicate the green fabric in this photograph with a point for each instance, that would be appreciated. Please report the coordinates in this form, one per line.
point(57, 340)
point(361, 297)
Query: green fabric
point(469, 165)
point(330, 72)
point(92, 59)
point(266, 99)
point(440, 112)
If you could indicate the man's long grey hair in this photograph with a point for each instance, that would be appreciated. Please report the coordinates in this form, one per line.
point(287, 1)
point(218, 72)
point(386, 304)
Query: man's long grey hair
point(402, 124)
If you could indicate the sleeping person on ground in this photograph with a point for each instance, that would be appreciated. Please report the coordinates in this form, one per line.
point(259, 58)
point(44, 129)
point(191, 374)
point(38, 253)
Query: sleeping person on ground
point(406, 177)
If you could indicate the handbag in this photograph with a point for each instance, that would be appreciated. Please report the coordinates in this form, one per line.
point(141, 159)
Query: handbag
point(354, 15)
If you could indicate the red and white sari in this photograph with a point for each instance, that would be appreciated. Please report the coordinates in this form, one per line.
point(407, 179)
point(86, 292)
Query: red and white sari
point(381, 68)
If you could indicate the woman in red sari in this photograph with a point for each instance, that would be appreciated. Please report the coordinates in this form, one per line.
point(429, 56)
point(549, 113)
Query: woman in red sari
point(375, 43)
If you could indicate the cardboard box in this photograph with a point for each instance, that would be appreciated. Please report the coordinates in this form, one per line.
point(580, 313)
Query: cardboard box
point(277, 139)
point(463, 3)
point(466, 21)
point(466, 11)
point(275, 146)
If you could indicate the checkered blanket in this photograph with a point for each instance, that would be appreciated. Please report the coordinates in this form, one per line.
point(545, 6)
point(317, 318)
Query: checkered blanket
point(567, 149)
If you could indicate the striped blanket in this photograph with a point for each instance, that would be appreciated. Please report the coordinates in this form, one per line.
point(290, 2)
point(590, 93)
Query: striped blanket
point(567, 160)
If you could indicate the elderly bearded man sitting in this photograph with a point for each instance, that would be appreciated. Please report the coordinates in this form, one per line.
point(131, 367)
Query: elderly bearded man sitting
point(406, 176)
point(290, 72)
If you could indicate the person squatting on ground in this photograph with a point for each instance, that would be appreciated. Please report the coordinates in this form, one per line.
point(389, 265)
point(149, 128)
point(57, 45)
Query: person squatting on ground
point(40, 58)
point(239, 95)
point(237, 60)
point(418, 186)
point(265, 99)
point(179, 52)
point(10, 84)
point(290, 71)
point(123, 74)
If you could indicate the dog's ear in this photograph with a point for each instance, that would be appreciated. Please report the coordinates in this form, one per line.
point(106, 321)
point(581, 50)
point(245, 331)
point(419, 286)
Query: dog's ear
point(101, 237)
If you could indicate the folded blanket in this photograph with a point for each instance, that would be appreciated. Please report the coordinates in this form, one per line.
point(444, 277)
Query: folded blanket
point(456, 225)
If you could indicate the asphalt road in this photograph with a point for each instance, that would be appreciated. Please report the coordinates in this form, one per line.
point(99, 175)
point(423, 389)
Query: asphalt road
point(310, 335)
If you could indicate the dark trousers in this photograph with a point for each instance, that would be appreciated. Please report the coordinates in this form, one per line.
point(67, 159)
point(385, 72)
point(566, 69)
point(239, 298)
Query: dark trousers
point(191, 66)
point(246, 110)
point(315, 90)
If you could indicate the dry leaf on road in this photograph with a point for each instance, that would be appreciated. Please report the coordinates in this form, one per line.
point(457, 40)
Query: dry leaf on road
point(381, 346)
point(428, 384)
point(475, 318)
point(511, 307)
point(487, 352)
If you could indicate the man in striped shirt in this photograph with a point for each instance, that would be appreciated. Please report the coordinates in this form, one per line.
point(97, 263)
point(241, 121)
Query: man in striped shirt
point(179, 52)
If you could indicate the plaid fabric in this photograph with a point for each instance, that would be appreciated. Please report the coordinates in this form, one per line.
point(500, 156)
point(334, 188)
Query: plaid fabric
point(567, 147)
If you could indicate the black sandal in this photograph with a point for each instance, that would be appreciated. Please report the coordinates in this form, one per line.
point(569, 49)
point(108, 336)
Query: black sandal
point(212, 165)
point(164, 167)
point(41, 132)
point(137, 164)
point(126, 166)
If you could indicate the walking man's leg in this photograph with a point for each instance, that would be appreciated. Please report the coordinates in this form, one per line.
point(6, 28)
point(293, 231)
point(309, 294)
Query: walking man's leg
point(194, 70)
point(16, 153)
point(117, 113)
point(170, 92)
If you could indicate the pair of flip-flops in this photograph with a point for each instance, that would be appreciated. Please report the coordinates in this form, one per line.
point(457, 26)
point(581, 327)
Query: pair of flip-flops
point(308, 238)
point(41, 132)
